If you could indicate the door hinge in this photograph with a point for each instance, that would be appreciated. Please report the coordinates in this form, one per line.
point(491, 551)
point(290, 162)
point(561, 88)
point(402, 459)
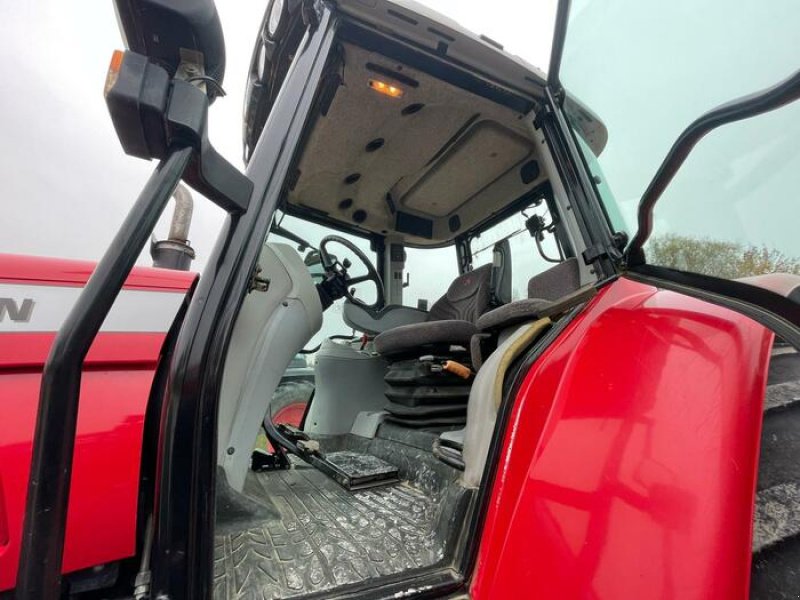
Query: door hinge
point(559, 95)
point(598, 251)
point(543, 113)
point(257, 283)
point(311, 11)
point(614, 252)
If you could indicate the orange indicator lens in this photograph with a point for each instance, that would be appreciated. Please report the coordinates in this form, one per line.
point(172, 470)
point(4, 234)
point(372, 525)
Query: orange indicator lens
point(113, 70)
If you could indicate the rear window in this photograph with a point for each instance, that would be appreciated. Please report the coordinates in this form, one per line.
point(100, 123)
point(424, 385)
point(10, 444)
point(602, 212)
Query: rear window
point(429, 272)
point(527, 259)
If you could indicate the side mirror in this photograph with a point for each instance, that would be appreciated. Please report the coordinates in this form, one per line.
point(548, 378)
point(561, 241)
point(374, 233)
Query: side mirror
point(176, 35)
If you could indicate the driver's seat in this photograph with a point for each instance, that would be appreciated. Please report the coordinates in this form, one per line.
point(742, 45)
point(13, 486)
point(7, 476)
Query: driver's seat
point(450, 321)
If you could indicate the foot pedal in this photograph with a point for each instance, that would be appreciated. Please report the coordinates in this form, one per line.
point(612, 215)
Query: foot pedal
point(356, 471)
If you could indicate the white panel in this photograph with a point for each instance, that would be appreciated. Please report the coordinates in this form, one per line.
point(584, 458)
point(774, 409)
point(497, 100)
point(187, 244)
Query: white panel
point(478, 159)
point(271, 328)
point(348, 382)
point(141, 311)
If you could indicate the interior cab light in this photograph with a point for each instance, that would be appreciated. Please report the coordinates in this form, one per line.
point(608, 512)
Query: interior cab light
point(386, 88)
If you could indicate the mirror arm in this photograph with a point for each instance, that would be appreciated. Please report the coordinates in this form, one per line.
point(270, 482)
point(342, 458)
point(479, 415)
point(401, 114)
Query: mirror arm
point(152, 114)
point(209, 172)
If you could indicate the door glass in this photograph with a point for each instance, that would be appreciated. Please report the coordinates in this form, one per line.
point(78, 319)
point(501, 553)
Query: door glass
point(732, 209)
point(647, 70)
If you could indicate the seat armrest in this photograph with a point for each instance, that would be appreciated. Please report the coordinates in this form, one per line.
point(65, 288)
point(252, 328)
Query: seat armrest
point(375, 322)
point(513, 313)
point(531, 309)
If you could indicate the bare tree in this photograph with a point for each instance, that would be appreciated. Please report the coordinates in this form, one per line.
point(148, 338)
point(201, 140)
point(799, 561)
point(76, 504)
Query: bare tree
point(729, 260)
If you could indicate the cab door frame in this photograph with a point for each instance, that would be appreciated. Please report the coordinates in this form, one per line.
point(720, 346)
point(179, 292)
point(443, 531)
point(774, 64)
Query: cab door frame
point(183, 544)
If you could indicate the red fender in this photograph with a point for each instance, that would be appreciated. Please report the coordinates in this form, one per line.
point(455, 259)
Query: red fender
point(630, 458)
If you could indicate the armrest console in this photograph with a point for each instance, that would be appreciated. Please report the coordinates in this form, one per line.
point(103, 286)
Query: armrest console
point(531, 309)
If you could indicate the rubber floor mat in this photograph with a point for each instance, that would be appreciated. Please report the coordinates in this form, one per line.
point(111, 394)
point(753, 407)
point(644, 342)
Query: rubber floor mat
point(323, 536)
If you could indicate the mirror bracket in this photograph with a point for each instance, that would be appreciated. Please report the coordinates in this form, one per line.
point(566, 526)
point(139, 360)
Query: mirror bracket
point(311, 11)
point(165, 31)
point(152, 114)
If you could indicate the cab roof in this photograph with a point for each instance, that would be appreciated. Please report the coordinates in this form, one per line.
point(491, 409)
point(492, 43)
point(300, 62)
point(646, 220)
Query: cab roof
point(454, 150)
point(429, 29)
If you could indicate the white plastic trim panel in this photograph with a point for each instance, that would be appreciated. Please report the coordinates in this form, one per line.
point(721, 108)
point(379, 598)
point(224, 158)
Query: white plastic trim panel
point(141, 311)
point(348, 382)
point(270, 329)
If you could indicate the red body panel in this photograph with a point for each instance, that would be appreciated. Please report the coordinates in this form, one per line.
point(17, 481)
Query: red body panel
point(630, 458)
point(119, 369)
point(39, 270)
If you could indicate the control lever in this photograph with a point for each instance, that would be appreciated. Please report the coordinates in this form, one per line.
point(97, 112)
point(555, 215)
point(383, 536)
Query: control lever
point(292, 432)
point(451, 366)
point(287, 439)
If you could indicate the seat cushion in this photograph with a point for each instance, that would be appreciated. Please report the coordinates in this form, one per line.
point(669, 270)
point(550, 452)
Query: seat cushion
point(409, 338)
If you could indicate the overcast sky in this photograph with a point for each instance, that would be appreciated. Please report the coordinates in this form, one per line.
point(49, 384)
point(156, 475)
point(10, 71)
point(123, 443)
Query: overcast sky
point(67, 184)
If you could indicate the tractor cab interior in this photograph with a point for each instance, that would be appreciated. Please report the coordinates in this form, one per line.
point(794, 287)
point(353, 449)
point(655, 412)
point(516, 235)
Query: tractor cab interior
point(422, 248)
point(422, 216)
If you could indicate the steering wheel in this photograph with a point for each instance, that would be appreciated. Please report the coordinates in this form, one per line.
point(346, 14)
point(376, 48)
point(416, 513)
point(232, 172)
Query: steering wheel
point(332, 265)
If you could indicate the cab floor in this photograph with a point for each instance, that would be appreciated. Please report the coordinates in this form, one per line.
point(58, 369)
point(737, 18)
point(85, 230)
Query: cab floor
point(318, 536)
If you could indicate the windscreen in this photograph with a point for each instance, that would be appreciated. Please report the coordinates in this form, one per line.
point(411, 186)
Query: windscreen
point(647, 70)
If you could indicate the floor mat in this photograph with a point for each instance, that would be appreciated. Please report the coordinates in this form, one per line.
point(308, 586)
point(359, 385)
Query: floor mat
point(323, 536)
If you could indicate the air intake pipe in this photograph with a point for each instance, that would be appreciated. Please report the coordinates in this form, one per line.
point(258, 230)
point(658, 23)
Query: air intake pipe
point(175, 252)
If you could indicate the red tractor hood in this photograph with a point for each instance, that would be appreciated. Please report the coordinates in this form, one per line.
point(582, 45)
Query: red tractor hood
point(36, 294)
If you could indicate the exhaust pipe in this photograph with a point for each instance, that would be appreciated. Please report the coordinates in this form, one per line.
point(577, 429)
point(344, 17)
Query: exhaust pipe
point(175, 252)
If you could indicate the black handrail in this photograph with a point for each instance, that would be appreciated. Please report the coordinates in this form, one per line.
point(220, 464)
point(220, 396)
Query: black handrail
point(51, 465)
point(760, 102)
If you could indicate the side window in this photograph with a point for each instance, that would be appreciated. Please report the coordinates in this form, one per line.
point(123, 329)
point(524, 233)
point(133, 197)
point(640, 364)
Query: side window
point(532, 250)
point(296, 388)
point(430, 272)
point(332, 320)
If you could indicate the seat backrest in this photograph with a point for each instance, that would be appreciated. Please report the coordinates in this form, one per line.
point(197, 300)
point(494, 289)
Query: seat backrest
point(500, 284)
point(556, 282)
point(467, 298)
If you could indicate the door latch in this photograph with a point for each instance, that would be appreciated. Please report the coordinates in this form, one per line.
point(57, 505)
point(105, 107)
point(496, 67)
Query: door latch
point(258, 283)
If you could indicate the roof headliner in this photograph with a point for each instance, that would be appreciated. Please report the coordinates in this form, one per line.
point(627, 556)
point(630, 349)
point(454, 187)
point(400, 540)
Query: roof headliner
point(439, 172)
